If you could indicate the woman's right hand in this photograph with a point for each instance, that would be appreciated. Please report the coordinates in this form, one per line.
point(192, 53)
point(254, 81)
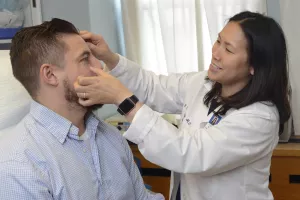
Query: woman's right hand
point(100, 49)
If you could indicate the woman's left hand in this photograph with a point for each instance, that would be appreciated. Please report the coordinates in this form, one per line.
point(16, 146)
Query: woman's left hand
point(100, 89)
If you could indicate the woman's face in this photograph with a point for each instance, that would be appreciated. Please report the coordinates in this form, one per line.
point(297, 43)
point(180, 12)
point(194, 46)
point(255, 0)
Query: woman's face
point(229, 65)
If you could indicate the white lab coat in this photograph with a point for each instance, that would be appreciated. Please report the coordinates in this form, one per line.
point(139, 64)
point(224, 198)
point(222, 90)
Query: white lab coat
point(227, 161)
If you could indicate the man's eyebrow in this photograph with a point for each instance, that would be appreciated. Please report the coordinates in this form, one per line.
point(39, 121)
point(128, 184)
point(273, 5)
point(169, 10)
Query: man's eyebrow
point(84, 53)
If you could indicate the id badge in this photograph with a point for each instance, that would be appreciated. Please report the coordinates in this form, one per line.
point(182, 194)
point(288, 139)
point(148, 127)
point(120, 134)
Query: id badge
point(215, 119)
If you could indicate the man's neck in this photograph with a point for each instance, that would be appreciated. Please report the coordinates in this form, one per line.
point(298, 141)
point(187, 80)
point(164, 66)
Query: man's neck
point(74, 113)
point(76, 116)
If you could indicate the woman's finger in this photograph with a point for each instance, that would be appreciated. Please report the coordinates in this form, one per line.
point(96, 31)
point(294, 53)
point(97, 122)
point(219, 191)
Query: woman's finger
point(97, 71)
point(86, 35)
point(91, 46)
point(83, 95)
point(85, 102)
point(81, 89)
point(84, 81)
point(83, 31)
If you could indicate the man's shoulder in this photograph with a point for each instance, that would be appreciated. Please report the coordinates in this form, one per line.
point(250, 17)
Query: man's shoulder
point(109, 131)
point(13, 142)
point(112, 135)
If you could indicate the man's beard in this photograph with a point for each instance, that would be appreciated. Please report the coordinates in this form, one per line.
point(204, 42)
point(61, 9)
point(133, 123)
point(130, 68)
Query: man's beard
point(73, 100)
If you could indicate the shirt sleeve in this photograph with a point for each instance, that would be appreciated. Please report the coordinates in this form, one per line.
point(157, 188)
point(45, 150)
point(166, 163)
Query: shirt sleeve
point(141, 193)
point(19, 181)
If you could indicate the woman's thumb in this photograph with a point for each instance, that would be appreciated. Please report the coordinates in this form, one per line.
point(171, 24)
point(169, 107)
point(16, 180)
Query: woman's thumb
point(94, 50)
point(97, 71)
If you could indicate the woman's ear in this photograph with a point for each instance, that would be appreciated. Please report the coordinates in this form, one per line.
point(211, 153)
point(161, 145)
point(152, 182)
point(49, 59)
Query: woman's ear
point(252, 71)
point(48, 74)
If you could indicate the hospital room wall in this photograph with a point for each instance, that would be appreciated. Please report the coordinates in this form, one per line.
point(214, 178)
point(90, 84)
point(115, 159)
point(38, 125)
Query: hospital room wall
point(95, 15)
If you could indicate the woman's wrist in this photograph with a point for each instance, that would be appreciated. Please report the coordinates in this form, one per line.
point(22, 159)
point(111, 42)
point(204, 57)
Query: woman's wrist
point(130, 116)
point(111, 60)
point(121, 97)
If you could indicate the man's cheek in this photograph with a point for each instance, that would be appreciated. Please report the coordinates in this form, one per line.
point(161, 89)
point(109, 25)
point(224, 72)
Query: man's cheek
point(90, 73)
point(86, 72)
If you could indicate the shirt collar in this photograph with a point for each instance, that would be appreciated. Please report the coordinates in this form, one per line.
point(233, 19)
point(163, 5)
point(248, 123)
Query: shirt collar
point(208, 83)
point(59, 126)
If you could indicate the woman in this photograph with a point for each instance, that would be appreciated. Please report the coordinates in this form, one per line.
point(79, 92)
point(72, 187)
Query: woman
point(230, 115)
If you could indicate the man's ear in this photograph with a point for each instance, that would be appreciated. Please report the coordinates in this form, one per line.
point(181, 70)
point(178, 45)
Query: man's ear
point(48, 74)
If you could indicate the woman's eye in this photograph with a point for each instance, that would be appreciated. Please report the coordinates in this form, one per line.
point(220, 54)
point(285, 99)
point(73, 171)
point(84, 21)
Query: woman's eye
point(228, 50)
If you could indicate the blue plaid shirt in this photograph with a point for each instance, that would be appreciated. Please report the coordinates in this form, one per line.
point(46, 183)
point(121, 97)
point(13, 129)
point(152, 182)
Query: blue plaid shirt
point(44, 158)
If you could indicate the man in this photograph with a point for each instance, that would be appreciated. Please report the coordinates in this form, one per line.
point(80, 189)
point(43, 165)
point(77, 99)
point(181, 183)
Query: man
point(60, 150)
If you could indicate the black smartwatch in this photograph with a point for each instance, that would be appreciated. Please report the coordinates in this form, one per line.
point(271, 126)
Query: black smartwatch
point(127, 105)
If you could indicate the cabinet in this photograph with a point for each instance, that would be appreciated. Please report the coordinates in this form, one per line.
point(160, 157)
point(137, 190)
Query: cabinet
point(285, 172)
point(154, 176)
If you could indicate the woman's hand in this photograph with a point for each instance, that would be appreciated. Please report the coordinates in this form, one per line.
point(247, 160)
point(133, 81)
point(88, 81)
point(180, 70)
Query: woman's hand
point(100, 49)
point(100, 89)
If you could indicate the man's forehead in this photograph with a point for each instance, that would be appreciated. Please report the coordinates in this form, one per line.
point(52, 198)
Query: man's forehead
point(75, 45)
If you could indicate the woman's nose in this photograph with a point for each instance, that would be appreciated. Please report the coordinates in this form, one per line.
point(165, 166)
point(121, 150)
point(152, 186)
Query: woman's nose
point(216, 53)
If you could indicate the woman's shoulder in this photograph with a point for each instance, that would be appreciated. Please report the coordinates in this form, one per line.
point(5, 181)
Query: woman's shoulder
point(263, 109)
point(198, 79)
point(197, 75)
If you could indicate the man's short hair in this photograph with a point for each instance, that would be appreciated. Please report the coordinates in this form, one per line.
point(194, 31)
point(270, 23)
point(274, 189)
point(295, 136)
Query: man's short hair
point(37, 45)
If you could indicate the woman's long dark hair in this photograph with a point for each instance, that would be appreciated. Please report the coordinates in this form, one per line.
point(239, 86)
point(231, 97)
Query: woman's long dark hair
point(267, 54)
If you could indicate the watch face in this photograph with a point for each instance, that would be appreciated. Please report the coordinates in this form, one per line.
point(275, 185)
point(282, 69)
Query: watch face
point(126, 106)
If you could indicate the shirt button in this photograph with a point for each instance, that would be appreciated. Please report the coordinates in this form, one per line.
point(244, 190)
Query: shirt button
point(84, 150)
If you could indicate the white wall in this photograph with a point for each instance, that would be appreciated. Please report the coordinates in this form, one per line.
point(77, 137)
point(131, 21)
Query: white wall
point(286, 12)
point(273, 9)
point(289, 16)
point(97, 16)
point(75, 11)
point(103, 21)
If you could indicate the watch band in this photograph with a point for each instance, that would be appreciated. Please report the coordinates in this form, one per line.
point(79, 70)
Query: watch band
point(127, 105)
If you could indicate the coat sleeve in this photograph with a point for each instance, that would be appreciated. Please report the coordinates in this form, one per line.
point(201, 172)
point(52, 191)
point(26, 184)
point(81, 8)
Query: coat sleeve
point(240, 138)
point(164, 94)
